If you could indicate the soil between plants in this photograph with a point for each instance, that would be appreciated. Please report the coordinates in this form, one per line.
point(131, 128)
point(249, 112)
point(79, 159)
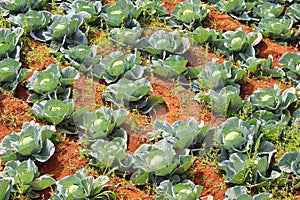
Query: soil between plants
point(15, 111)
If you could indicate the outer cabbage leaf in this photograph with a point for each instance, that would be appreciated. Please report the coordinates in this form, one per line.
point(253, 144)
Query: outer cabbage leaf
point(162, 42)
point(18, 6)
point(126, 36)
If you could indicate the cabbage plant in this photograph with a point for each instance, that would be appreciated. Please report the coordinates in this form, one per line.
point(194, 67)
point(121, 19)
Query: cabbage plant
point(290, 163)
point(9, 43)
point(102, 123)
point(115, 65)
point(93, 8)
point(112, 154)
point(181, 134)
point(64, 31)
point(240, 45)
point(293, 11)
point(189, 14)
point(18, 6)
point(126, 36)
point(240, 192)
point(120, 14)
point(162, 42)
point(238, 9)
point(51, 83)
point(82, 186)
point(11, 74)
point(241, 168)
point(133, 94)
point(223, 102)
point(291, 66)
point(268, 10)
point(278, 29)
point(33, 141)
point(82, 57)
point(215, 76)
point(149, 8)
point(158, 162)
point(25, 178)
point(172, 66)
point(32, 21)
point(53, 111)
point(205, 35)
point(272, 100)
point(185, 190)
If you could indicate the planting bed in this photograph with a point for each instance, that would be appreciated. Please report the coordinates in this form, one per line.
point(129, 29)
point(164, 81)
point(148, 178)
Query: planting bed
point(250, 151)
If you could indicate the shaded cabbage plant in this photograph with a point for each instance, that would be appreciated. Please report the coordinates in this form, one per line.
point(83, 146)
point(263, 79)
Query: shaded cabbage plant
point(154, 163)
point(181, 134)
point(126, 36)
point(11, 74)
point(33, 141)
point(162, 42)
point(222, 102)
point(54, 111)
point(132, 94)
point(189, 14)
point(51, 83)
point(185, 190)
point(9, 43)
point(82, 57)
point(112, 154)
point(215, 76)
point(82, 186)
point(103, 123)
point(25, 178)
